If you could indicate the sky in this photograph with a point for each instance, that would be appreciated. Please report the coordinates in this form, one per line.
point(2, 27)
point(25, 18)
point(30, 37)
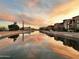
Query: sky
point(38, 12)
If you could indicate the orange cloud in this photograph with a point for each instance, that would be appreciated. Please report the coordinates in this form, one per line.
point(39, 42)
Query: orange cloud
point(39, 21)
point(32, 3)
point(65, 8)
point(64, 11)
point(35, 21)
point(7, 17)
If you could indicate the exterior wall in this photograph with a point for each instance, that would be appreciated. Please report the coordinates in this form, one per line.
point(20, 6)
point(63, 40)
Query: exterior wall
point(76, 18)
point(65, 24)
point(77, 24)
point(69, 24)
point(59, 27)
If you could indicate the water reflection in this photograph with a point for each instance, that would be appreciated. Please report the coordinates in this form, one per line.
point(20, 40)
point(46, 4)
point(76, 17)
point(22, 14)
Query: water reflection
point(74, 43)
point(68, 42)
point(33, 47)
point(37, 46)
point(14, 37)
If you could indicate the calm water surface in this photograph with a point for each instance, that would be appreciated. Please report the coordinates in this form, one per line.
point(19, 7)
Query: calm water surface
point(35, 46)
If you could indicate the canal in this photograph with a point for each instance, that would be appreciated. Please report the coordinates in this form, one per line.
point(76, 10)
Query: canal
point(35, 45)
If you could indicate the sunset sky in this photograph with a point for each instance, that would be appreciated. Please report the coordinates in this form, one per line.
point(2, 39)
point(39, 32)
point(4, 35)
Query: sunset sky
point(37, 12)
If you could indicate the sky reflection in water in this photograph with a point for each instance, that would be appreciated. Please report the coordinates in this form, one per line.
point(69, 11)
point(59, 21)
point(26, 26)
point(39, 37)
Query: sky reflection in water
point(36, 46)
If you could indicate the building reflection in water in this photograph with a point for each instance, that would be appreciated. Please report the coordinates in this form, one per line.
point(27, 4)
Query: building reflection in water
point(14, 37)
point(32, 46)
point(74, 43)
point(68, 42)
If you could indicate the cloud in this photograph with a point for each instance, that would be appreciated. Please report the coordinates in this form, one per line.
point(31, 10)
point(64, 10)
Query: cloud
point(36, 21)
point(41, 6)
point(64, 11)
point(31, 8)
point(65, 8)
point(32, 3)
point(7, 17)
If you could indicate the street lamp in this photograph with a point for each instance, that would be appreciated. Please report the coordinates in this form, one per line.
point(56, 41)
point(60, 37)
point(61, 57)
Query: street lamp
point(21, 17)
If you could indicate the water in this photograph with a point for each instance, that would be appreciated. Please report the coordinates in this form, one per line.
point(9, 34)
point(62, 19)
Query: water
point(35, 46)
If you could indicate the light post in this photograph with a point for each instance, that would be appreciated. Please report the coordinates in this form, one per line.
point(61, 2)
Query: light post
point(21, 18)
